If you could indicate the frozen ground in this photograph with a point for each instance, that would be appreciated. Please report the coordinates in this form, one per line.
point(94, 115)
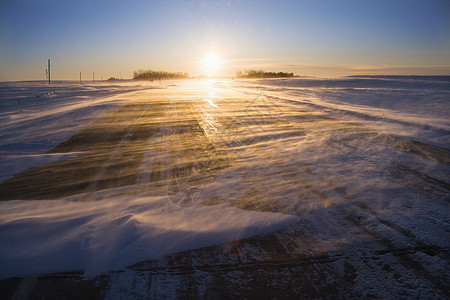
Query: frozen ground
point(299, 187)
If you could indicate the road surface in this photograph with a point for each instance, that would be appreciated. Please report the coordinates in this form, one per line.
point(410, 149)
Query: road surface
point(372, 206)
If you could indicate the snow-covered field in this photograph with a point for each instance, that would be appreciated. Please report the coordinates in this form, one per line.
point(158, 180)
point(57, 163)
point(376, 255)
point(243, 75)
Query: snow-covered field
point(349, 177)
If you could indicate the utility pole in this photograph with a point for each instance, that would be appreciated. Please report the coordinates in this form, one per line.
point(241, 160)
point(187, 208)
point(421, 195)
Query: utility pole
point(49, 71)
point(93, 76)
point(80, 77)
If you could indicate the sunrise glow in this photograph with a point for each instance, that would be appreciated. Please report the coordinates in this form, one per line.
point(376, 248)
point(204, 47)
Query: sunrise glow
point(211, 64)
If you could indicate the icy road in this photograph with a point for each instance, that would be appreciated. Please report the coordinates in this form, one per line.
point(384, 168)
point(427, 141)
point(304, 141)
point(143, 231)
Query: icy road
point(299, 188)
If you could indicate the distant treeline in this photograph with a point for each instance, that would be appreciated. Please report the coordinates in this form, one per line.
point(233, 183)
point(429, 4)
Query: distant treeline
point(149, 75)
point(262, 74)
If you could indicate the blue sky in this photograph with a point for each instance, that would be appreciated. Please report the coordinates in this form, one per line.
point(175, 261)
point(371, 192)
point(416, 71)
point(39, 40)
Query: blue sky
point(307, 37)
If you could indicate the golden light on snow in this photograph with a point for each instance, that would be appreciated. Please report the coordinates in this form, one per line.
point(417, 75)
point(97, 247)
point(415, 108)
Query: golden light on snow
point(211, 64)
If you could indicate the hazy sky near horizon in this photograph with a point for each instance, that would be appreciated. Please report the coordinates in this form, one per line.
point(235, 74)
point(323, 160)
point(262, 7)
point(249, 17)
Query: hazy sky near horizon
point(318, 38)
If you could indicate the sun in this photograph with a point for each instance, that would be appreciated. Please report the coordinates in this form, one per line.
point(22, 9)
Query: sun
point(211, 64)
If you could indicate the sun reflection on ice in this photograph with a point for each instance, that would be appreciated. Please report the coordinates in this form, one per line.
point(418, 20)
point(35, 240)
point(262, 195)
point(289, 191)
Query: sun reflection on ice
point(208, 121)
point(211, 96)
